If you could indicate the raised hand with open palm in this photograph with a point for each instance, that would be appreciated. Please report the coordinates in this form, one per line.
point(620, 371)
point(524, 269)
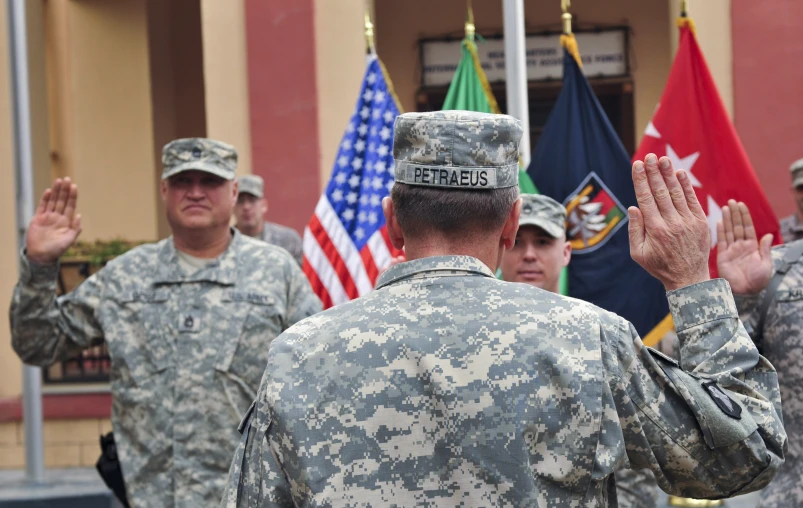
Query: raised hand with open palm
point(55, 226)
point(742, 260)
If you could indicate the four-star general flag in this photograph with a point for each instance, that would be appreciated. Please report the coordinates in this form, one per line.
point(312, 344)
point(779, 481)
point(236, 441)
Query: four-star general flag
point(580, 161)
point(691, 127)
point(346, 243)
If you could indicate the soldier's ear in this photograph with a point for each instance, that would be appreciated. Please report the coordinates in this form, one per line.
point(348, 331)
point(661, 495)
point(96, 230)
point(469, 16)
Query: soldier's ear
point(394, 230)
point(511, 225)
point(163, 189)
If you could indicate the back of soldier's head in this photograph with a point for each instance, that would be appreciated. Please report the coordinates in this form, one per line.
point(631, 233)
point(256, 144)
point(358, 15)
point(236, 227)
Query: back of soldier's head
point(456, 172)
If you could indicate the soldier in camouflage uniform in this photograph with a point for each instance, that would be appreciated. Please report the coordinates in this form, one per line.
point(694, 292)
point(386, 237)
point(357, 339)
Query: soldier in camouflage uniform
point(538, 255)
point(187, 321)
point(748, 265)
point(448, 387)
point(250, 215)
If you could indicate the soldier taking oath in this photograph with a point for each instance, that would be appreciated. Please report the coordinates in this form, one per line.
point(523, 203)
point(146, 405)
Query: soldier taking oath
point(448, 387)
point(187, 321)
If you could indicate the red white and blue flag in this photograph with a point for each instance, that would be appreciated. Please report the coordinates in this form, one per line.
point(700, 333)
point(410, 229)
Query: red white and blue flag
point(346, 243)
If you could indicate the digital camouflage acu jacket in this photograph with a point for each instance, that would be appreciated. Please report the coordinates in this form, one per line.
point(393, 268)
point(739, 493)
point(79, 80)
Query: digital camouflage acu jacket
point(781, 339)
point(447, 387)
point(187, 353)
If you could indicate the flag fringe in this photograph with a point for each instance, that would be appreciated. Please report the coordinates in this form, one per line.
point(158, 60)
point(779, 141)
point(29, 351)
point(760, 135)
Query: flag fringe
point(570, 44)
point(657, 333)
point(686, 22)
point(486, 87)
point(389, 84)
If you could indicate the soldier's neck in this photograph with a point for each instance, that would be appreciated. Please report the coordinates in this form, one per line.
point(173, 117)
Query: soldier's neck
point(202, 244)
point(487, 252)
point(255, 232)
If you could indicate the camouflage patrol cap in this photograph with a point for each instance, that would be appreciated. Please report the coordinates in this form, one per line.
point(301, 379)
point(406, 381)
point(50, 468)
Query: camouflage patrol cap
point(251, 184)
point(457, 150)
point(797, 172)
point(543, 212)
point(201, 154)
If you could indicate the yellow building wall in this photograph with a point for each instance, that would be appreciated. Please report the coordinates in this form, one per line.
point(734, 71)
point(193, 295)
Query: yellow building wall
point(10, 366)
point(67, 443)
point(226, 76)
point(101, 106)
point(340, 66)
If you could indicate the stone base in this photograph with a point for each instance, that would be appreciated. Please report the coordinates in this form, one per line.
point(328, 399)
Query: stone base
point(62, 488)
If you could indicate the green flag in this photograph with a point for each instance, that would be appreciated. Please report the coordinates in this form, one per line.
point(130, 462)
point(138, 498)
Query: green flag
point(470, 91)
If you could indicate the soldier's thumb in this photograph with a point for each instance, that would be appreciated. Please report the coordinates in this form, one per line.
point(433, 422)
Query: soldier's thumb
point(766, 246)
point(635, 229)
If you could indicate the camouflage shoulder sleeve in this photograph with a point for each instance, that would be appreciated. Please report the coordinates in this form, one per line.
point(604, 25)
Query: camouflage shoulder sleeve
point(46, 328)
point(255, 478)
point(710, 426)
point(301, 301)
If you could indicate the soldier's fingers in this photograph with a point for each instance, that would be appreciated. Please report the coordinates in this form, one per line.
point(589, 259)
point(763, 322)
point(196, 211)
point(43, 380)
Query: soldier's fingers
point(54, 195)
point(722, 244)
point(765, 246)
point(64, 196)
point(646, 202)
point(635, 229)
point(676, 191)
point(659, 190)
point(40, 209)
point(736, 217)
point(691, 197)
point(728, 223)
point(76, 222)
point(747, 221)
point(72, 200)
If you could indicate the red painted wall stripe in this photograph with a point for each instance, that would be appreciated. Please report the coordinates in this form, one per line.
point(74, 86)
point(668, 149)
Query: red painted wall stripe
point(61, 407)
point(283, 106)
point(767, 76)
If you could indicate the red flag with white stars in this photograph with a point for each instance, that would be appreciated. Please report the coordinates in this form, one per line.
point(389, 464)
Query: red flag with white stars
point(691, 127)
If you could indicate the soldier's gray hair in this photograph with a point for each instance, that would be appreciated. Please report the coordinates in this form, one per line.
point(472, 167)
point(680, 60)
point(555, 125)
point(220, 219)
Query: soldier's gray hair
point(453, 213)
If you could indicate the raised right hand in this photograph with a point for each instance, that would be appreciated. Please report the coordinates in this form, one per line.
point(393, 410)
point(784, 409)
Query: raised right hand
point(55, 225)
point(742, 260)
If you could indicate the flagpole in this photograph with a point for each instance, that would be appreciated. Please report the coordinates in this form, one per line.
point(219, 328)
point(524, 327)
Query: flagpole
point(31, 376)
point(516, 72)
point(370, 49)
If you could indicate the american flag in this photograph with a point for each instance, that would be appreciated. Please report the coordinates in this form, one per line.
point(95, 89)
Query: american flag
point(346, 242)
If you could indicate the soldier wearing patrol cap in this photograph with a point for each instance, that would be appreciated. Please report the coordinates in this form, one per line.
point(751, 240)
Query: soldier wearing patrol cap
point(792, 226)
point(540, 251)
point(249, 213)
point(187, 321)
point(448, 387)
point(537, 257)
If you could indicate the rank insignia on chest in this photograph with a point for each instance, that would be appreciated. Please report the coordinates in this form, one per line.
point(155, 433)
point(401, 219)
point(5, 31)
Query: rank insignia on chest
point(189, 323)
point(593, 215)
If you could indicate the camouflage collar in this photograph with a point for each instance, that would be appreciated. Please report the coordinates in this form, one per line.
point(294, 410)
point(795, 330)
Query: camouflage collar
point(437, 266)
point(223, 271)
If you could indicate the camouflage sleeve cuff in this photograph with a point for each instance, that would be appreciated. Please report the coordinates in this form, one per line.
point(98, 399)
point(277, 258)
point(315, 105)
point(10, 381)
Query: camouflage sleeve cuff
point(701, 303)
point(35, 274)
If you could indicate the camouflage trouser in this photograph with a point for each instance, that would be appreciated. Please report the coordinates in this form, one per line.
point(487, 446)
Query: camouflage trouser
point(636, 488)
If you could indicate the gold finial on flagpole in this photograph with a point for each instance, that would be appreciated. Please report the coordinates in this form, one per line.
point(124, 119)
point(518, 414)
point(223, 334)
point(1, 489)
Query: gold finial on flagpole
point(369, 31)
point(470, 29)
point(567, 16)
point(684, 8)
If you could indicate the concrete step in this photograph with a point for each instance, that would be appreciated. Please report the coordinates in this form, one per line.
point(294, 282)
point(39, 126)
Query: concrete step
point(62, 488)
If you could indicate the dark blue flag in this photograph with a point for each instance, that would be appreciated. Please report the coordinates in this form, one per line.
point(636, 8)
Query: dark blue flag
point(580, 161)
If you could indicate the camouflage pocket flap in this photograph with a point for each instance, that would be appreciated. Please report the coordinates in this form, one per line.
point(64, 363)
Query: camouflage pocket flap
point(723, 420)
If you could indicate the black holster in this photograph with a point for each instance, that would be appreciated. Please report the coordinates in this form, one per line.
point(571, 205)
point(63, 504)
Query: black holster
point(108, 467)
